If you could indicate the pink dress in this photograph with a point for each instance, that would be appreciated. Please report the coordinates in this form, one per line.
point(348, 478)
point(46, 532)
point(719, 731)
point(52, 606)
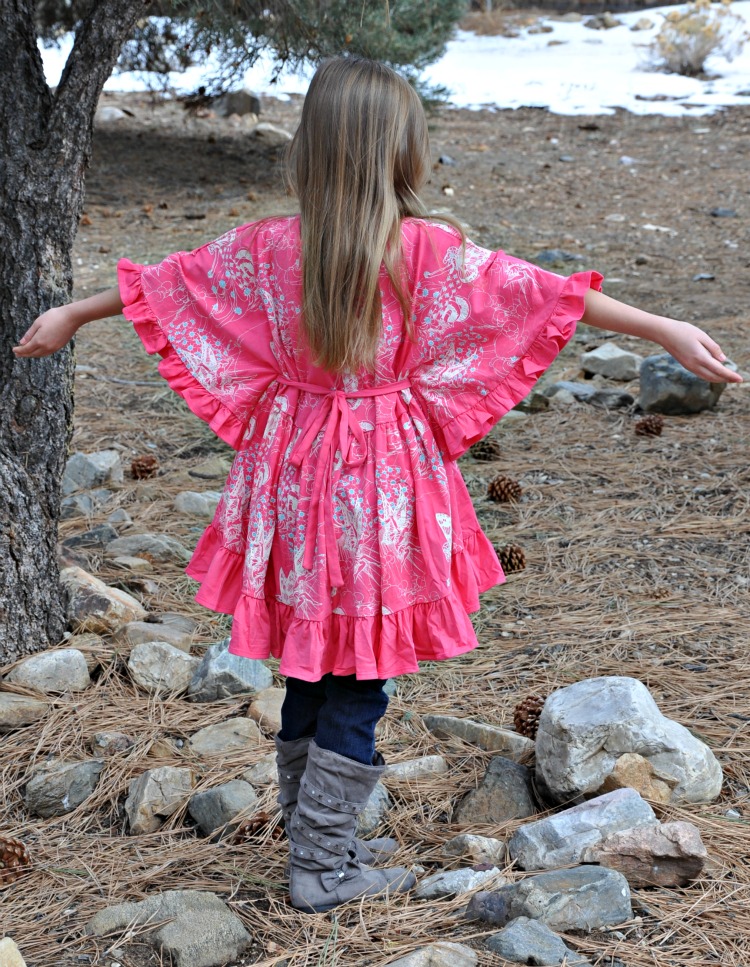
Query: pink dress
point(345, 540)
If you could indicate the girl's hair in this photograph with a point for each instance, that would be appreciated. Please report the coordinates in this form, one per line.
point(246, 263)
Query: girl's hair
point(357, 163)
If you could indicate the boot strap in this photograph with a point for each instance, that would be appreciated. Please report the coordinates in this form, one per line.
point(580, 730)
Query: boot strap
point(340, 805)
point(324, 842)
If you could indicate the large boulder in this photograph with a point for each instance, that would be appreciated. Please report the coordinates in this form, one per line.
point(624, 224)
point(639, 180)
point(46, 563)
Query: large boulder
point(585, 728)
point(667, 387)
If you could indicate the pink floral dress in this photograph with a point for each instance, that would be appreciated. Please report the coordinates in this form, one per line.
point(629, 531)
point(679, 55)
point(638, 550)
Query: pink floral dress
point(345, 540)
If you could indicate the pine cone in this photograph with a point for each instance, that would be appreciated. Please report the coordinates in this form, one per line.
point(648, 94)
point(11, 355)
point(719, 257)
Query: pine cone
point(487, 449)
point(504, 490)
point(512, 558)
point(14, 859)
point(144, 466)
point(526, 715)
point(249, 828)
point(650, 425)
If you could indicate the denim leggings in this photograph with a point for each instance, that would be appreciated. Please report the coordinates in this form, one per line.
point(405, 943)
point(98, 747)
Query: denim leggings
point(340, 711)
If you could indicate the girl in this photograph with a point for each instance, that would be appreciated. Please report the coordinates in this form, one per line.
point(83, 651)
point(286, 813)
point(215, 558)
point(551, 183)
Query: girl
point(350, 355)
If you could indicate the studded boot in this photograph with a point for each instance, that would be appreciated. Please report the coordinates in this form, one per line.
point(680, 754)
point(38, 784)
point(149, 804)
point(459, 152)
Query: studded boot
point(291, 759)
point(325, 870)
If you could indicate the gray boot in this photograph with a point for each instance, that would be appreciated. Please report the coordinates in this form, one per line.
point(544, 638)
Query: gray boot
point(291, 759)
point(324, 870)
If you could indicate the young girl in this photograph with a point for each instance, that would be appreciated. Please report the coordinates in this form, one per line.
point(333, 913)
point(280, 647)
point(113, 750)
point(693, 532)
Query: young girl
point(350, 355)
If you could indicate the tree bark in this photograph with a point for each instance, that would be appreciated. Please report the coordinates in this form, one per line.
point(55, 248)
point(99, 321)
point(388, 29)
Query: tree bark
point(45, 145)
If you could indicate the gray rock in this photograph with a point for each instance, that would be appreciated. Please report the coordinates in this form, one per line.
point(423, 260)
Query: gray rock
point(95, 538)
point(427, 765)
point(585, 728)
point(216, 807)
point(120, 516)
point(667, 387)
point(137, 565)
point(94, 606)
point(215, 468)
point(439, 955)
point(223, 675)
point(224, 738)
point(591, 393)
point(57, 787)
point(86, 470)
point(18, 710)
point(173, 619)
point(140, 632)
point(239, 102)
point(611, 361)
point(197, 505)
point(159, 667)
point(111, 743)
point(155, 795)
point(450, 883)
point(480, 849)
point(491, 738)
point(263, 773)
point(563, 838)
point(265, 709)
point(10, 955)
point(670, 854)
point(52, 672)
point(526, 941)
point(375, 811)
point(271, 135)
point(584, 898)
point(83, 504)
point(643, 23)
point(108, 114)
point(603, 21)
point(551, 255)
point(201, 930)
point(154, 547)
point(506, 792)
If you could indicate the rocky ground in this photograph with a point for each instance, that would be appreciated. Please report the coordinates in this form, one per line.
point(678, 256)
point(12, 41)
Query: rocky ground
point(636, 547)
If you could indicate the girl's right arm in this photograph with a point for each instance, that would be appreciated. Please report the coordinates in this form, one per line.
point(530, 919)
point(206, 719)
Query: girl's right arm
point(56, 327)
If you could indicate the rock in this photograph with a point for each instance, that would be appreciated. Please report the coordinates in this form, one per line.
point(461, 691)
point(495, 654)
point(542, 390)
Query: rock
point(611, 361)
point(445, 159)
point(173, 619)
point(375, 811)
point(86, 470)
point(604, 21)
point(670, 854)
point(271, 135)
point(94, 606)
point(490, 738)
point(215, 468)
point(723, 213)
point(224, 738)
point(140, 632)
point(157, 548)
point(265, 709)
point(201, 930)
point(584, 898)
point(18, 710)
point(57, 787)
point(506, 792)
point(667, 387)
point(10, 955)
point(644, 23)
point(52, 672)
point(561, 839)
point(155, 795)
point(480, 849)
point(239, 102)
point(95, 538)
point(108, 115)
point(549, 256)
point(120, 516)
point(585, 728)
point(138, 565)
point(198, 505)
point(94, 649)
point(159, 667)
point(454, 882)
point(216, 807)
point(83, 504)
point(263, 772)
point(526, 941)
point(536, 402)
point(223, 675)
point(439, 955)
point(633, 771)
point(111, 743)
point(591, 393)
point(428, 765)
point(512, 418)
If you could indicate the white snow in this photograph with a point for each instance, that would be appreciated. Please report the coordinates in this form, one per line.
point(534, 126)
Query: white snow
point(583, 72)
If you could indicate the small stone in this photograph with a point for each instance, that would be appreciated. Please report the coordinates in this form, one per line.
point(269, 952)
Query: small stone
point(667, 387)
point(159, 667)
point(215, 468)
point(375, 811)
point(271, 135)
point(10, 955)
point(549, 256)
point(704, 277)
point(158, 548)
point(216, 807)
point(643, 23)
point(155, 795)
point(93, 606)
point(604, 21)
point(506, 792)
point(120, 516)
point(454, 882)
point(86, 470)
point(428, 765)
point(263, 773)
point(52, 672)
point(224, 675)
point(265, 709)
point(534, 403)
point(723, 213)
point(140, 632)
point(200, 930)
point(480, 849)
point(224, 738)
point(582, 898)
point(56, 787)
point(445, 159)
point(138, 565)
point(96, 538)
point(526, 941)
point(108, 115)
point(439, 955)
point(240, 102)
point(18, 710)
point(613, 362)
point(198, 505)
point(670, 854)
point(490, 738)
point(111, 743)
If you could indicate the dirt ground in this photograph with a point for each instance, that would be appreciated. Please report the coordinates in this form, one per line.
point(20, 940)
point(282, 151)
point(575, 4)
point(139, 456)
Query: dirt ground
point(638, 548)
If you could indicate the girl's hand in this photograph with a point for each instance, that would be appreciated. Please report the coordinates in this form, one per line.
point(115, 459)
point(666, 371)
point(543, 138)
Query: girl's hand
point(696, 351)
point(50, 332)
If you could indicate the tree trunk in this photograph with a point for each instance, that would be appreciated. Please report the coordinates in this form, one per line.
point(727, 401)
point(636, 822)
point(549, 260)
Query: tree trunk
point(45, 144)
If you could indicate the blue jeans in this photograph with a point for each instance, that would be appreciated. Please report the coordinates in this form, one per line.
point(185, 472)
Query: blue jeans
point(339, 711)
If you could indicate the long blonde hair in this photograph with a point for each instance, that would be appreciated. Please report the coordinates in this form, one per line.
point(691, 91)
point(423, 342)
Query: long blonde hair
point(357, 163)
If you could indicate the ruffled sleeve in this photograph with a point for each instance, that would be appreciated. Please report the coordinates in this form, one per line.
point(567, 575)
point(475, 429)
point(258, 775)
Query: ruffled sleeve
point(487, 325)
point(202, 314)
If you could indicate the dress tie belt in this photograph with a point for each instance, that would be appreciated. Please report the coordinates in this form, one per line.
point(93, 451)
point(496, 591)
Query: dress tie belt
point(341, 428)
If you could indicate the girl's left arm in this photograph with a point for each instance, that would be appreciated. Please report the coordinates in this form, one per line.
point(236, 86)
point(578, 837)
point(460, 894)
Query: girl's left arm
point(56, 327)
point(689, 345)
